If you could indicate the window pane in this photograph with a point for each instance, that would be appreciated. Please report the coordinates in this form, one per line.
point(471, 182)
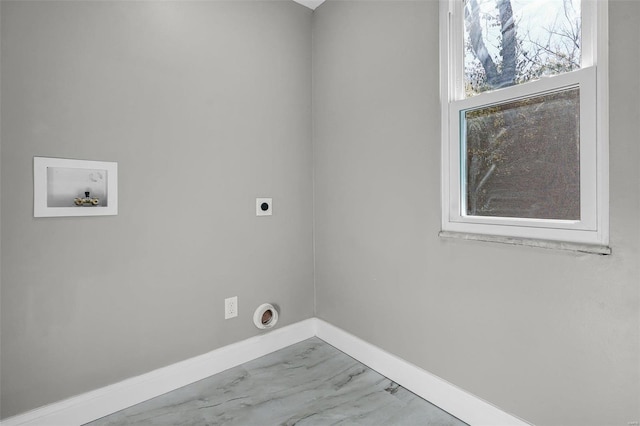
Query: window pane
point(510, 42)
point(523, 158)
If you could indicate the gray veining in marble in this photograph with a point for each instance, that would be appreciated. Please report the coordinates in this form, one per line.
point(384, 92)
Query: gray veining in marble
point(309, 383)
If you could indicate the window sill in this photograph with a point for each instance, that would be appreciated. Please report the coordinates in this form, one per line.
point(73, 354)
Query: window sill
point(546, 244)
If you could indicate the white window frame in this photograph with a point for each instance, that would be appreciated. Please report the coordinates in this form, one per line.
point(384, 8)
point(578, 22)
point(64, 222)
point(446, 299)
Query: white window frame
point(592, 79)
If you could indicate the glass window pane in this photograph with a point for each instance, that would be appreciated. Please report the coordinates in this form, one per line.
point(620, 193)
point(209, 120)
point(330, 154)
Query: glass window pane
point(523, 157)
point(510, 42)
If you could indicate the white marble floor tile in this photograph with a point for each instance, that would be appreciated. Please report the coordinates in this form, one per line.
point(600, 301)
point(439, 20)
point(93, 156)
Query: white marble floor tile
point(309, 383)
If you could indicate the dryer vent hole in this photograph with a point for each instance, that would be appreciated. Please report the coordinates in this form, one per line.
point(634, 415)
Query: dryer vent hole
point(267, 316)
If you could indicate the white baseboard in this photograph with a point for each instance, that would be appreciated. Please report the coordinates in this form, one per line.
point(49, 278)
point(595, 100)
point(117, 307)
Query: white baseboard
point(457, 402)
point(109, 399)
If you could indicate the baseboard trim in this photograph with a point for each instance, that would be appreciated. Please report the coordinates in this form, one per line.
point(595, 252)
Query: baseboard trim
point(459, 403)
point(93, 405)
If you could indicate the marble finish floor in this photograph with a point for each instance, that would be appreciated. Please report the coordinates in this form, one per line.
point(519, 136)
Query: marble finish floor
point(309, 383)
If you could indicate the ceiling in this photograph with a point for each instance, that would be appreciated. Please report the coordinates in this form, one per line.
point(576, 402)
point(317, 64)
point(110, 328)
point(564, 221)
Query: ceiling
point(311, 4)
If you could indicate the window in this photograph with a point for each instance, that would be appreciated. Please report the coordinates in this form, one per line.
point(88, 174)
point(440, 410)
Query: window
point(524, 120)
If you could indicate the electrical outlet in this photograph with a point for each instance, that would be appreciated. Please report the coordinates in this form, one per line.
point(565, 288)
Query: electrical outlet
point(264, 206)
point(231, 307)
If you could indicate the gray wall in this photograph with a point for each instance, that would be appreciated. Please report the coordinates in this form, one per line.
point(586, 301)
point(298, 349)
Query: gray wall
point(550, 336)
point(205, 106)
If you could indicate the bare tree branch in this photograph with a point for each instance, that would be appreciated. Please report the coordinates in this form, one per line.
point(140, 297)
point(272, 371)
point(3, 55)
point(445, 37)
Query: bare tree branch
point(472, 15)
point(508, 53)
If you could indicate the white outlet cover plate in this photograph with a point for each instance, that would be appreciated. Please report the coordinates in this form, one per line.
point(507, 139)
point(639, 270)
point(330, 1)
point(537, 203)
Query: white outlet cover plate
point(231, 307)
point(259, 211)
